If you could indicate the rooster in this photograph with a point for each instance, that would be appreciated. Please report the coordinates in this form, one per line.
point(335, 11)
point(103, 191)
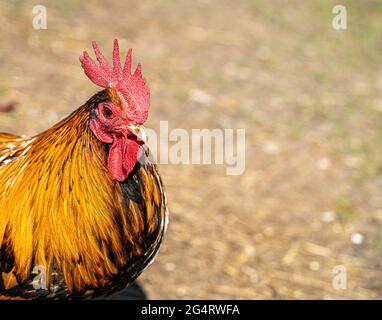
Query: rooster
point(82, 206)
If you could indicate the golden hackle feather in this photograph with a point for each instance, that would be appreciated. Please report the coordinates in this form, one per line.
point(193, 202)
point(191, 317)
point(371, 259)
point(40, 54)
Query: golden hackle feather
point(60, 209)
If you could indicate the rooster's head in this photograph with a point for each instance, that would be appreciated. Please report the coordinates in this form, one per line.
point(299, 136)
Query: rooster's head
point(118, 120)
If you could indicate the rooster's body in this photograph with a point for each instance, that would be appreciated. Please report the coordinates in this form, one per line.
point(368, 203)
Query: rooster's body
point(70, 225)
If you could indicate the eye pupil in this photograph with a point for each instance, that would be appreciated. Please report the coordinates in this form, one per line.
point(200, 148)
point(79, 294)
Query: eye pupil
point(107, 112)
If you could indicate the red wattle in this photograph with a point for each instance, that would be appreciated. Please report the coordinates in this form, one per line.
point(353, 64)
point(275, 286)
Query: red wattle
point(123, 155)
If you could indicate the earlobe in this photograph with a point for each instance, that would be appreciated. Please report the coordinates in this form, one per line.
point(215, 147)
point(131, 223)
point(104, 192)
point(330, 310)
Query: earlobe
point(99, 132)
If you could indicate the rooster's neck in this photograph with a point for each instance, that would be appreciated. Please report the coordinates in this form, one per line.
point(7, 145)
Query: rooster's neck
point(60, 208)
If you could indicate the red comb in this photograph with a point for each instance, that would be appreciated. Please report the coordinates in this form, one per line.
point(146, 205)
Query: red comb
point(132, 89)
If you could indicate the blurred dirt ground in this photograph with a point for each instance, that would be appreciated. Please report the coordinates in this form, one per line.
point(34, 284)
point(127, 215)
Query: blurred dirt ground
point(308, 96)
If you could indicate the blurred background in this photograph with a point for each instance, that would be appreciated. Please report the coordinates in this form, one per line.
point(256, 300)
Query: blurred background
point(310, 201)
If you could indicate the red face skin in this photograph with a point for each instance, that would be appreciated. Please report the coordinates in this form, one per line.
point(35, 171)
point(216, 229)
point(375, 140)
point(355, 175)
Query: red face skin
point(113, 126)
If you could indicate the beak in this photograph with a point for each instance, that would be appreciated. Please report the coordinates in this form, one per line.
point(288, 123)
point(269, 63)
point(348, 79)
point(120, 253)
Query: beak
point(139, 131)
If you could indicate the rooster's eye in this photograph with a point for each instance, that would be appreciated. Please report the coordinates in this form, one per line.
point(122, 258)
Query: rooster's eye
point(107, 112)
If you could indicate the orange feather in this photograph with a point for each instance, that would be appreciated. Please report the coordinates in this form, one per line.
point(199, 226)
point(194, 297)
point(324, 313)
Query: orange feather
point(61, 210)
